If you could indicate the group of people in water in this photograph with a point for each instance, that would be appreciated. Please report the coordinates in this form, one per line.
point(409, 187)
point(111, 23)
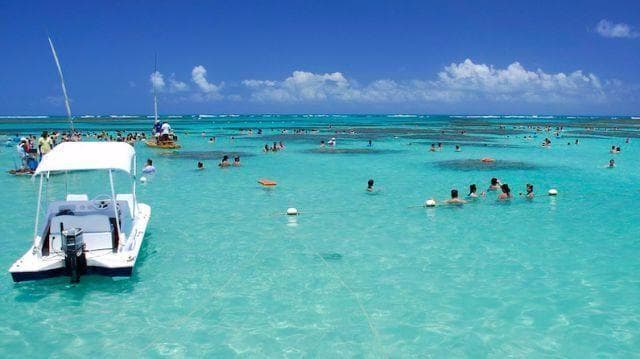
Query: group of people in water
point(149, 168)
point(225, 162)
point(433, 147)
point(163, 133)
point(31, 150)
point(503, 189)
point(504, 192)
point(277, 146)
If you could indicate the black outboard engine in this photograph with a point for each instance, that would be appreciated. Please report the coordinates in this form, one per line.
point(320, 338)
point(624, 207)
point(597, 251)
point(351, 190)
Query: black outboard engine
point(73, 248)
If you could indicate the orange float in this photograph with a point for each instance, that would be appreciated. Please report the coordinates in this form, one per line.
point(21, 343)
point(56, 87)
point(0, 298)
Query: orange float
point(266, 182)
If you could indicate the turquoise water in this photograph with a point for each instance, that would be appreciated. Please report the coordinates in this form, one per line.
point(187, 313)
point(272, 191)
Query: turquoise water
point(223, 273)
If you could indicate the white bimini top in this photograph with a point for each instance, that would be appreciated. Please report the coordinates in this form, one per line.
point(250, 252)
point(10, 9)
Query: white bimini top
point(84, 156)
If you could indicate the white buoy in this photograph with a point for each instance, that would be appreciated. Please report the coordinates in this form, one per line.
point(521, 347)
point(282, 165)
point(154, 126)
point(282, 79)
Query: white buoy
point(553, 192)
point(430, 203)
point(143, 179)
point(292, 211)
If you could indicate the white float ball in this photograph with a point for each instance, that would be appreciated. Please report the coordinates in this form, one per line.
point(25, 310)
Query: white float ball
point(292, 211)
point(143, 179)
point(553, 192)
point(430, 203)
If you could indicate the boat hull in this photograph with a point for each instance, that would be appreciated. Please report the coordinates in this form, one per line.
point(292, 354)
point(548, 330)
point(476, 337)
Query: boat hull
point(100, 262)
point(163, 145)
point(62, 271)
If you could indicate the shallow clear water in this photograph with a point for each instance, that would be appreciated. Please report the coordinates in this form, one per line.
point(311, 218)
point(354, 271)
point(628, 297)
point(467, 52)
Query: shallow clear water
point(223, 272)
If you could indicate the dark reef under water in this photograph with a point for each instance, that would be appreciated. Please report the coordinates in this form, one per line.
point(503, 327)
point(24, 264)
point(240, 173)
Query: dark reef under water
point(350, 151)
point(204, 155)
point(477, 165)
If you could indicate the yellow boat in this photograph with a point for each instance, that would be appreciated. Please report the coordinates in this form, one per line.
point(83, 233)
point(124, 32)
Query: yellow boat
point(169, 145)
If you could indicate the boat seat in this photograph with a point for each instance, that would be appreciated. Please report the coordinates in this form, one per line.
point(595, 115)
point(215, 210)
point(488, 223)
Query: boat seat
point(96, 228)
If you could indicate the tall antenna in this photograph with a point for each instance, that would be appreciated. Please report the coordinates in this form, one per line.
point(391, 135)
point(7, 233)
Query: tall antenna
point(64, 88)
point(155, 98)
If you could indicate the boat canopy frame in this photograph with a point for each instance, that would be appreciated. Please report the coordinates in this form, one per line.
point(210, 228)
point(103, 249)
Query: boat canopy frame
point(88, 156)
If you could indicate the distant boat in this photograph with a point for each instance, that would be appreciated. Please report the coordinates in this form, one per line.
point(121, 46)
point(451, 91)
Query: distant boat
point(158, 140)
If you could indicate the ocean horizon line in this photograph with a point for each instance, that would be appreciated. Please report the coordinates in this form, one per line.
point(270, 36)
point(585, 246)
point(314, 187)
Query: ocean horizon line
point(266, 114)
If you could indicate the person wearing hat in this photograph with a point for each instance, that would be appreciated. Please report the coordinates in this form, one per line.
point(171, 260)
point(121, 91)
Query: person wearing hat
point(23, 150)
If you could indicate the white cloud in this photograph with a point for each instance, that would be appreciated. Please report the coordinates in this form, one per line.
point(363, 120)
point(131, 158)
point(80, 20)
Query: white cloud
point(456, 82)
point(621, 30)
point(199, 77)
point(515, 82)
point(157, 81)
point(177, 86)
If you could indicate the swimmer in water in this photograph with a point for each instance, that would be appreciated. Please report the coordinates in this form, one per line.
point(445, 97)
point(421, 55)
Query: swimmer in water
point(322, 143)
point(224, 162)
point(433, 148)
point(495, 184)
point(506, 193)
point(454, 198)
point(200, 165)
point(236, 161)
point(528, 191)
point(612, 163)
point(370, 185)
point(457, 148)
point(149, 168)
point(370, 144)
point(473, 191)
point(613, 150)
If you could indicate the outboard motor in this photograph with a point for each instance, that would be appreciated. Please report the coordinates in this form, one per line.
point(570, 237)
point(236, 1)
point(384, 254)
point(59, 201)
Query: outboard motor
point(73, 248)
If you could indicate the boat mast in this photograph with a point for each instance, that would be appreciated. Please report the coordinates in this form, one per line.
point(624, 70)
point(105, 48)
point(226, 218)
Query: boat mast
point(155, 97)
point(64, 88)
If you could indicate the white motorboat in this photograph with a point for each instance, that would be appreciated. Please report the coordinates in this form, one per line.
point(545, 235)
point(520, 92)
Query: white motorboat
point(79, 235)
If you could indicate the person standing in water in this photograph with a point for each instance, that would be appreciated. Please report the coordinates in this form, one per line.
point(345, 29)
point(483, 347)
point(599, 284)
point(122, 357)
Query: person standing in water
point(528, 191)
point(495, 184)
point(506, 193)
point(149, 168)
point(612, 163)
point(236, 161)
point(44, 144)
point(200, 165)
point(454, 198)
point(473, 189)
point(370, 185)
point(224, 162)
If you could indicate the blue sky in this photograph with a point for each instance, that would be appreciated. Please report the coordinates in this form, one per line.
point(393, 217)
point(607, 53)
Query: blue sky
point(322, 56)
